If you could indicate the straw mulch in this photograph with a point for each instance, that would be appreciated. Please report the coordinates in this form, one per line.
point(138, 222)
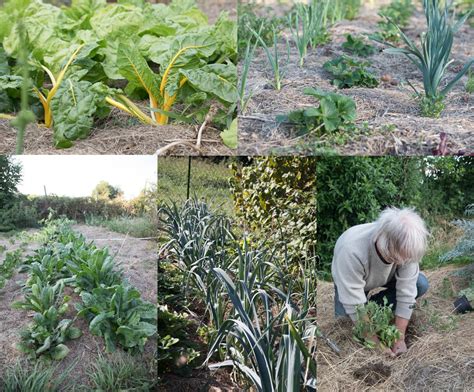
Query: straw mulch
point(440, 353)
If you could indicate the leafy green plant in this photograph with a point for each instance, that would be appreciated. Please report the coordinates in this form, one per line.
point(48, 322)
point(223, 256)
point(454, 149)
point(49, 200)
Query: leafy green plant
point(119, 315)
point(398, 11)
point(48, 332)
point(372, 320)
point(12, 260)
point(433, 59)
point(174, 346)
point(335, 112)
point(358, 46)
point(348, 72)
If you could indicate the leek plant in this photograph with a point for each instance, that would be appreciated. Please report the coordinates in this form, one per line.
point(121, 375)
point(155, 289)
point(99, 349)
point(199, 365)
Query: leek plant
point(433, 59)
point(273, 56)
point(243, 98)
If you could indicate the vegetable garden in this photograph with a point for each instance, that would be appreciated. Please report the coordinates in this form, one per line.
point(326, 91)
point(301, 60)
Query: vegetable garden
point(73, 317)
point(131, 77)
point(356, 78)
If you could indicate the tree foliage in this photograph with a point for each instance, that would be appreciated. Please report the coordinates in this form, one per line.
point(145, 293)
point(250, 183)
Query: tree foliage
point(105, 191)
point(275, 197)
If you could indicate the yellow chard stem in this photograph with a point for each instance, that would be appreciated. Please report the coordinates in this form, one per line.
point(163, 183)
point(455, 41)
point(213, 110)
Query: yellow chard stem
point(48, 117)
point(168, 103)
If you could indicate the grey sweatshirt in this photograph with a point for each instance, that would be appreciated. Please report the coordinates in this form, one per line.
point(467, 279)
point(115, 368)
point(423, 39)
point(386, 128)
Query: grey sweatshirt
point(357, 269)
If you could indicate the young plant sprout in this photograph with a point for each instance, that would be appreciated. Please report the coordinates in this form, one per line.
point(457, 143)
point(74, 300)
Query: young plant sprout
point(433, 59)
point(273, 57)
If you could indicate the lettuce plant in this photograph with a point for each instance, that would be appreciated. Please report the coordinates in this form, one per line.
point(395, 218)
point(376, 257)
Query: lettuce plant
point(433, 59)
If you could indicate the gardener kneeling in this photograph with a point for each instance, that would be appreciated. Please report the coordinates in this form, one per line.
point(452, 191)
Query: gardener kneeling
point(385, 254)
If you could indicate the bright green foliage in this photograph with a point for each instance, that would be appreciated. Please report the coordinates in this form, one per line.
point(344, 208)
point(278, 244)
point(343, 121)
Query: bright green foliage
point(249, 20)
point(470, 82)
point(358, 46)
point(348, 72)
point(119, 315)
point(399, 12)
point(375, 320)
point(359, 187)
point(433, 59)
point(48, 332)
point(85, 103)
point(335, 112)
point(7, 267)
point(275, 199)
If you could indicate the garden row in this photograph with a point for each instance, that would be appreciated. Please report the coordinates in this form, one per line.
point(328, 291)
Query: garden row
point(112, 307)
point(259, 314)
point(308, 27)
point(72, 64)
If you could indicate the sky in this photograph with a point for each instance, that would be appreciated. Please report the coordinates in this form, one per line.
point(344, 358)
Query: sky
point(78, 175)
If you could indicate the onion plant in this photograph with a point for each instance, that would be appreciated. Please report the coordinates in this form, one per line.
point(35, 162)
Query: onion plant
point(243, 97)
point(433, 59)
point(273, 56)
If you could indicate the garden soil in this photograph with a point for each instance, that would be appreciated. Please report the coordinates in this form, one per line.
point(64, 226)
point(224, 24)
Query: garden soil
point(137, 258)
point(440, 353)
point(119, 134)
point(388, 118)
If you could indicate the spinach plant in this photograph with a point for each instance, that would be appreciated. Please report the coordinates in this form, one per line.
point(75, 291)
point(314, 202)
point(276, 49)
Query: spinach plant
point(119, 315)
point(348, 72)
point(48, 332)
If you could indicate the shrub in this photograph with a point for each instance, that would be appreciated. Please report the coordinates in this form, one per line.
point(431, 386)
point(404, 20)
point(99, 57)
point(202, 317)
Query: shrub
point(275, 198)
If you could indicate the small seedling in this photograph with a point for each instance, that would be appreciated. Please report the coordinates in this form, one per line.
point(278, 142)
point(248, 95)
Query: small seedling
point(375, 320)
point(348, 72)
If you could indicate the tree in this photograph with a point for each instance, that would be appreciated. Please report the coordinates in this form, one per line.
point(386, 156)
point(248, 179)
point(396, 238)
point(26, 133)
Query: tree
point(105, 191)
point(10, 176)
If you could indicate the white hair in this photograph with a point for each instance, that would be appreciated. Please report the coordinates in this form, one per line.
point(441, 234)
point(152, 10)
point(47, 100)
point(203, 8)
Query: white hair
point(401, 235)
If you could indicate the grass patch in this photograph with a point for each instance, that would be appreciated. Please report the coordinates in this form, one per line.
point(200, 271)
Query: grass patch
point(138, 227)
point(209, 181)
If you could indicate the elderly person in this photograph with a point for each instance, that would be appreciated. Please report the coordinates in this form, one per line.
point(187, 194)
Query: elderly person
point(386, 254)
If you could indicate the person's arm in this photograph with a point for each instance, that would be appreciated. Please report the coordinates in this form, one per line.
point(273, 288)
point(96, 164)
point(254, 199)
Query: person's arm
point(400, 347)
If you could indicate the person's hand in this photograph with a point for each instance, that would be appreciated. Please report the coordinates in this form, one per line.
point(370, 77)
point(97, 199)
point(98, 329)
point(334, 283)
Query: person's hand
point(385, 350)
point(399, 347)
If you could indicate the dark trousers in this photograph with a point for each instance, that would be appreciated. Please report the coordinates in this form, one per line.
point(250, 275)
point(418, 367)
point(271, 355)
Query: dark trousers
point(390, 293)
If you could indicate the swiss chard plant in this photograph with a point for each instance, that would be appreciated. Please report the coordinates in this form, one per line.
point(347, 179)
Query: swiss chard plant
point(348, 72)
point(335, 112)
